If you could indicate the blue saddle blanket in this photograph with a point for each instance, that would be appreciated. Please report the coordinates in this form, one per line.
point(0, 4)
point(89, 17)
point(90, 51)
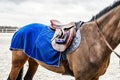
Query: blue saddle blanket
point(35, 40)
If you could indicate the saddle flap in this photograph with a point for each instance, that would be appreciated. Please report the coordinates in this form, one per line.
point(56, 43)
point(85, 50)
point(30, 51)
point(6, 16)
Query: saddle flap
point(62, 43)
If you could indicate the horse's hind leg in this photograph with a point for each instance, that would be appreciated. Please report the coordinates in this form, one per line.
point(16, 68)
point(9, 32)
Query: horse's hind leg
point(33, 65)
point(96, 78)
point(18, 60)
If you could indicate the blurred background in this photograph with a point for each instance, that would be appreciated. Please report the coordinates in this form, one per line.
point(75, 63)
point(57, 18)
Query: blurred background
point(22, 12)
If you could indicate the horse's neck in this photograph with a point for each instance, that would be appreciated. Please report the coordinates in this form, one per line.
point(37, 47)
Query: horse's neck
point(110, 26)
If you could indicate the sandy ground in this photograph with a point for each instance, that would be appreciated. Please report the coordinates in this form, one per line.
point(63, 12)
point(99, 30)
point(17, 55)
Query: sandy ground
point(113, 71)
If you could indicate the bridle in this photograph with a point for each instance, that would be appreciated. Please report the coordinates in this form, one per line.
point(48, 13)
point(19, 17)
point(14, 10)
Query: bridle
point(106, 42)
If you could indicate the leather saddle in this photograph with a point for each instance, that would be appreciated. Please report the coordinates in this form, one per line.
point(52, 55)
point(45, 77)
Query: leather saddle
point(63, 35)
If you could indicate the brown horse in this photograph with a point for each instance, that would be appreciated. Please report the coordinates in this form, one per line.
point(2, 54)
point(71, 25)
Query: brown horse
point(91, 59)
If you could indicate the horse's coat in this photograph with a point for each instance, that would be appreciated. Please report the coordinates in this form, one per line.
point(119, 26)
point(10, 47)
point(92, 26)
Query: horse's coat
point(34, 40)
point(91, 59)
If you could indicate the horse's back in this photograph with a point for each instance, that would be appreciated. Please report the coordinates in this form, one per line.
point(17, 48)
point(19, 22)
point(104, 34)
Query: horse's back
point(36, 27)
point(26, 34)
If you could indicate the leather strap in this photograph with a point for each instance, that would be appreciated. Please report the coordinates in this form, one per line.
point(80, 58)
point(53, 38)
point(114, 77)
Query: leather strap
point(78, 24)
point(106, 40)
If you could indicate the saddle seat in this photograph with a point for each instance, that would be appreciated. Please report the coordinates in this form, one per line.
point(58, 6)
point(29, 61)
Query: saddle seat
point(63, 35)
point(57, 24)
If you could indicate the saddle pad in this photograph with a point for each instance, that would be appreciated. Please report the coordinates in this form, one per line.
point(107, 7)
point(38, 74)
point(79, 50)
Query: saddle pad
point(75, 43)
point(35, 40)
point(73, 46)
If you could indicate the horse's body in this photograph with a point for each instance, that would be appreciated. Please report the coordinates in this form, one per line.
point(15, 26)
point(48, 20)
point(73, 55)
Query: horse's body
point(90, 60)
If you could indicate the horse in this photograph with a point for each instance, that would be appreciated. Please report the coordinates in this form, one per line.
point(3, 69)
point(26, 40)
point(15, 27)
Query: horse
point(91, 59)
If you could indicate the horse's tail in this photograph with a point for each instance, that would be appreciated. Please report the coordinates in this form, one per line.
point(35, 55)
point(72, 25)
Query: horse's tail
point(20, 74)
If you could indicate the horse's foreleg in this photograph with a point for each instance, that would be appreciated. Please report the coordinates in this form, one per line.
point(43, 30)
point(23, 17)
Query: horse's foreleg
point(33, 65)
point(18, 60)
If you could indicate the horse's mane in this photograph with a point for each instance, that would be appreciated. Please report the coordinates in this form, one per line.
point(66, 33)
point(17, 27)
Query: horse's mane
point(107, 9)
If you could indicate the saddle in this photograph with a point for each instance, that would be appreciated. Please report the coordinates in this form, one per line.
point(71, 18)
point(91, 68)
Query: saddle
point(63, 35)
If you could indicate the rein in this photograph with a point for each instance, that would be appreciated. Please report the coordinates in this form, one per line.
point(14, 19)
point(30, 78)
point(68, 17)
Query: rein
point(106, 40)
